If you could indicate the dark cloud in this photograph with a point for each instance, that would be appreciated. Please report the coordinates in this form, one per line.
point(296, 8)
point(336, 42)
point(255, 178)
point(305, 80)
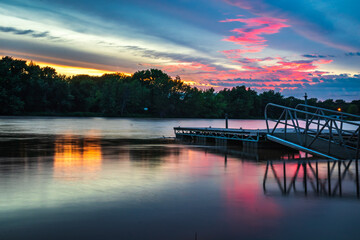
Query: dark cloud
point(139, 18)
point(66, 55)
point(340, 86)
point(331, 86)
point(143, 52)
point(42, 34)
point(256, 83)
point(317, 56)
point(30, 32)
point(352, 54)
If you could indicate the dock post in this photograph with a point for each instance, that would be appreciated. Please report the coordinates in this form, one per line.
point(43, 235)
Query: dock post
point(250, 145)
point(305, 177)
point(339, 176)
point(220, 142)
point(329, 178)
point(226, 121)
point(357, 178)
point(201, 140)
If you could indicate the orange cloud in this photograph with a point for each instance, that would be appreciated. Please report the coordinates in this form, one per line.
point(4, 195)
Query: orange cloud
point(70, 70)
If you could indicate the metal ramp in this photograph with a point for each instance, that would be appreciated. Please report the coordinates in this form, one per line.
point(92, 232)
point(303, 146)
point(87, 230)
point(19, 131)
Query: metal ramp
point(317, 131)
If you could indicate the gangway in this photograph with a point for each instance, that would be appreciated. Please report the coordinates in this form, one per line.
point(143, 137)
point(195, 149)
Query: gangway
point(317, 131)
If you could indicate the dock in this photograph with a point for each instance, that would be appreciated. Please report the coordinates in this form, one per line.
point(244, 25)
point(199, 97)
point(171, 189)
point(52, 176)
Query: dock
point(221, 136)
point(321, 132)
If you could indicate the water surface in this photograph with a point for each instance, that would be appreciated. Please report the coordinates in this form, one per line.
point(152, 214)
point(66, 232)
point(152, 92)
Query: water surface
point(97, 178)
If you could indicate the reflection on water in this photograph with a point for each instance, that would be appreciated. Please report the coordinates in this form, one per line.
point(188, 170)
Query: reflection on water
point(73, 154)
point(313, 178)
point(86, 186)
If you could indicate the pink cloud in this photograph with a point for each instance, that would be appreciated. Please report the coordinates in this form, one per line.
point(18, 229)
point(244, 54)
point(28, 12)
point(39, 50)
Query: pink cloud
point(273, 76)
point(245, 4)
point(323, 61)
point(303, 26)
point(245, 60)
point(274, 73)
point(251, 35)
point(254, 27)
point(279, 75)
point(237, 53)
point(187, 66)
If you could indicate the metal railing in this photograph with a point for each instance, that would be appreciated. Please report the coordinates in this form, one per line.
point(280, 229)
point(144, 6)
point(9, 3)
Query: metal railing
point(331, 135)
point(328, 112)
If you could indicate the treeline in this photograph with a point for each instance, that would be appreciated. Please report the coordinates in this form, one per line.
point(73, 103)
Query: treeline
point(27, 89)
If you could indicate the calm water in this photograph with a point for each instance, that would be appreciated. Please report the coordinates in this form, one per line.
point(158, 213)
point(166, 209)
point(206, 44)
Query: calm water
point(95, 178)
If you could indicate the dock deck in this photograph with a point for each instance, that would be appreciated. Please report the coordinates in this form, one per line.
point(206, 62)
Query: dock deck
point(316, 133)
point(247, 135)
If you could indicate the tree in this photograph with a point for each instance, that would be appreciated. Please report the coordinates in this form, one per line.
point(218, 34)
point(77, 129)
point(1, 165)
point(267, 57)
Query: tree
point(28, 88)
point(11, 74)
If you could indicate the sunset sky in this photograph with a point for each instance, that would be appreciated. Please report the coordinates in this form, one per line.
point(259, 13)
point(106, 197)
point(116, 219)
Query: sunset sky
point(291, 46)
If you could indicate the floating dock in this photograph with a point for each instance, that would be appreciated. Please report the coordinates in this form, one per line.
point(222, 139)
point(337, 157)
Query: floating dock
point(221, 136)
point(317, 131)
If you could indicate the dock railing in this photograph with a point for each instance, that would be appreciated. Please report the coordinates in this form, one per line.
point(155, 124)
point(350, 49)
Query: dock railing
point(328, 112)
point(314, 131)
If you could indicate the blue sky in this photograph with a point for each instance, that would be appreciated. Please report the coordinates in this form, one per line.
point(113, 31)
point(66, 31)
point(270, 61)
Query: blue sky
point(289, 46)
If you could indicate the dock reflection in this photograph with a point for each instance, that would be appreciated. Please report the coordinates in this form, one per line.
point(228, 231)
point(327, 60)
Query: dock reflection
point(312, 178)
point(254, 154)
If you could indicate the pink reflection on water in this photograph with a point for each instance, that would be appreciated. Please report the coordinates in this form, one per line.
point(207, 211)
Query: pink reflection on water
point(244, 198)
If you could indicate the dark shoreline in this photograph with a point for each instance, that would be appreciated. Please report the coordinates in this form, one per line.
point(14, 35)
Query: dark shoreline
point(90, 114)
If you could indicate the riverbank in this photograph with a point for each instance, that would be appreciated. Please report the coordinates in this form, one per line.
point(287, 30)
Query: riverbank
point(107, 115)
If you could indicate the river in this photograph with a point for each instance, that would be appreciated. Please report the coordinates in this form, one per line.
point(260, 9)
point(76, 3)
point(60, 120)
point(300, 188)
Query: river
point(112, 178)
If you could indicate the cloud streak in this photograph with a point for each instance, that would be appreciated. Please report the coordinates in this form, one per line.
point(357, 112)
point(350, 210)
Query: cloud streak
point(317, 56)
point(352, 54)
point(29, 32)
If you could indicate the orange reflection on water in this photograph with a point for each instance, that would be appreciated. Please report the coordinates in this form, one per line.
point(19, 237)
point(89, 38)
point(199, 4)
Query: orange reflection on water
point(73, 156)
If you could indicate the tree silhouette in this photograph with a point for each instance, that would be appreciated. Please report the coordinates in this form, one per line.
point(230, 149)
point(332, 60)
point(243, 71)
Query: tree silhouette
point(30, 89)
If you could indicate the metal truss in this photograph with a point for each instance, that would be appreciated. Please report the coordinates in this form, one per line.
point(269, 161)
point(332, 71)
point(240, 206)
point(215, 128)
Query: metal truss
point(314, 130)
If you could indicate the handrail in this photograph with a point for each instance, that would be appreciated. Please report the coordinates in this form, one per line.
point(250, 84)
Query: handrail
point(305, 112)
point(327, 110)
point(348, 140)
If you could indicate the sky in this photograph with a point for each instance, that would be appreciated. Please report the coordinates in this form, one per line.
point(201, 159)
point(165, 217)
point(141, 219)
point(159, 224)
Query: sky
point(289, 46)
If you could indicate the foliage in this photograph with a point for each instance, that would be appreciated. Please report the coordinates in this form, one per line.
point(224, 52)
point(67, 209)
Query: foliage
point(29, 89)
